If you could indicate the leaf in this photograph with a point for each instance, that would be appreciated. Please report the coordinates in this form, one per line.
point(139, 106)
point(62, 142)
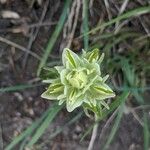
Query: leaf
point(70, 59)
point(85, 23)
point(115, 127)
point(74, 102)
point(27, 132)
point(18, 87)
point(120, 99)
point(131, 13)
point(104, 104)
point(49, 73)
point(101, 92)
point(54, 36)
point(93, 55)
point(52, 114)
point(53, 91)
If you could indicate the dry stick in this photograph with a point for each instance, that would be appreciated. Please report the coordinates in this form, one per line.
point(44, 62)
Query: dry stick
point(122, 9)
point(75, 23)
point(141, 107)
point(46, 23)
point(19, 47)
point(107, 124)
point(28, 26)
point(90, 7)
point(108, 9)
point(1, 138)
point(93, 137)
point(144, 26)
point(33, 37)
point(136, 116)
point(68, 24)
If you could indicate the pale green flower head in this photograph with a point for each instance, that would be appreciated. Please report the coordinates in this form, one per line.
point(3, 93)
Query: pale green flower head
point(79, 81)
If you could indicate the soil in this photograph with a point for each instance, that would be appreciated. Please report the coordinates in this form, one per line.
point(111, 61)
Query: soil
point(19, 109)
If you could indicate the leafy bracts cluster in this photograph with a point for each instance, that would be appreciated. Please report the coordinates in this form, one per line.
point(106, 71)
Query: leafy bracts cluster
point(79, 82)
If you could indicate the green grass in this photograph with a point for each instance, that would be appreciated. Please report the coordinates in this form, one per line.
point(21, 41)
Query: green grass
point(130, 66)
point(54, 36)
point(117, 102)
point(85, 26)
point(40, 126)
point(18, 87)
point(146, 132)
point(115, 127)
point(27, 132)
point(132, 13)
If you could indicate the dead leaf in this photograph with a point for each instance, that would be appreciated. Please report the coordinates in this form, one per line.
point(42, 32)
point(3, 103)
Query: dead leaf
point(9, 14)
point(3, 1)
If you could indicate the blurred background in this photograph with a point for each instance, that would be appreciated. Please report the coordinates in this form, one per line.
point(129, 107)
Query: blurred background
point(33, 34)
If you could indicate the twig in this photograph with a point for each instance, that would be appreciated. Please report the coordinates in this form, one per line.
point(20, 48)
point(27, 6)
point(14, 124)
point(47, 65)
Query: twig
point(144, 26)
point(46, 23)
point(108, 9)
point(75, 23)
point(1, 138)
point(107, 124)
point(90, 7)
point(122, 9)
point(19, 47)
point(136, 116)
point(70, 25)
point(93, 137)
point(34, 35)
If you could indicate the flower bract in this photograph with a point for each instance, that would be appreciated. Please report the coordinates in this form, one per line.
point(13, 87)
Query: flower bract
point(79, 81)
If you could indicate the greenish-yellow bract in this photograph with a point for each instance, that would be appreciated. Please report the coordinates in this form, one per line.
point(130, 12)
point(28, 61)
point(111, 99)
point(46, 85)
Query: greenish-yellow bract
point(79, 82)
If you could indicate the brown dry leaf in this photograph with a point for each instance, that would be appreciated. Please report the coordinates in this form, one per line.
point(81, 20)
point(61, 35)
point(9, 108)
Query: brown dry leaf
point(9, 14)
point(3, 1)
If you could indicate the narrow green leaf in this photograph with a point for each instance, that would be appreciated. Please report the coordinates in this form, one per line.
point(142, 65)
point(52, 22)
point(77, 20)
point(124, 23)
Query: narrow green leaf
point(146, 133)
point(131, 13)
point(27, 132)
point(94, 55)
point(85, 23)
point(71, 59)
point(52, 114)
point(54, 36)
point(18, 87)
point(121, 99)
point(114, 128)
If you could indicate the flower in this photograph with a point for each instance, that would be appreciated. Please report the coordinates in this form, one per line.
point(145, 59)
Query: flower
point(79, 81)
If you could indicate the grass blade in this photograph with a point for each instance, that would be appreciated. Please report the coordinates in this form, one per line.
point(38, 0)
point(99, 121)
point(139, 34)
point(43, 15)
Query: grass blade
point(114, 128)
point(54, 36)
point(131, 13)
point(27, 132)
point(18, 87)
point(85, 24)
point(146, 133)
point(52, 114)
point(59, 130)
point(121, 99)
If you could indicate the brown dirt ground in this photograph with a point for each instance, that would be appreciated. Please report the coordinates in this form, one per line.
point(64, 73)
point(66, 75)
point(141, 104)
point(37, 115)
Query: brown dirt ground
point(20, 109)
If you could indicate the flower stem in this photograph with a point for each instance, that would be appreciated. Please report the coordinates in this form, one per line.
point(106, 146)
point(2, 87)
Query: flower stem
point(94, 134)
